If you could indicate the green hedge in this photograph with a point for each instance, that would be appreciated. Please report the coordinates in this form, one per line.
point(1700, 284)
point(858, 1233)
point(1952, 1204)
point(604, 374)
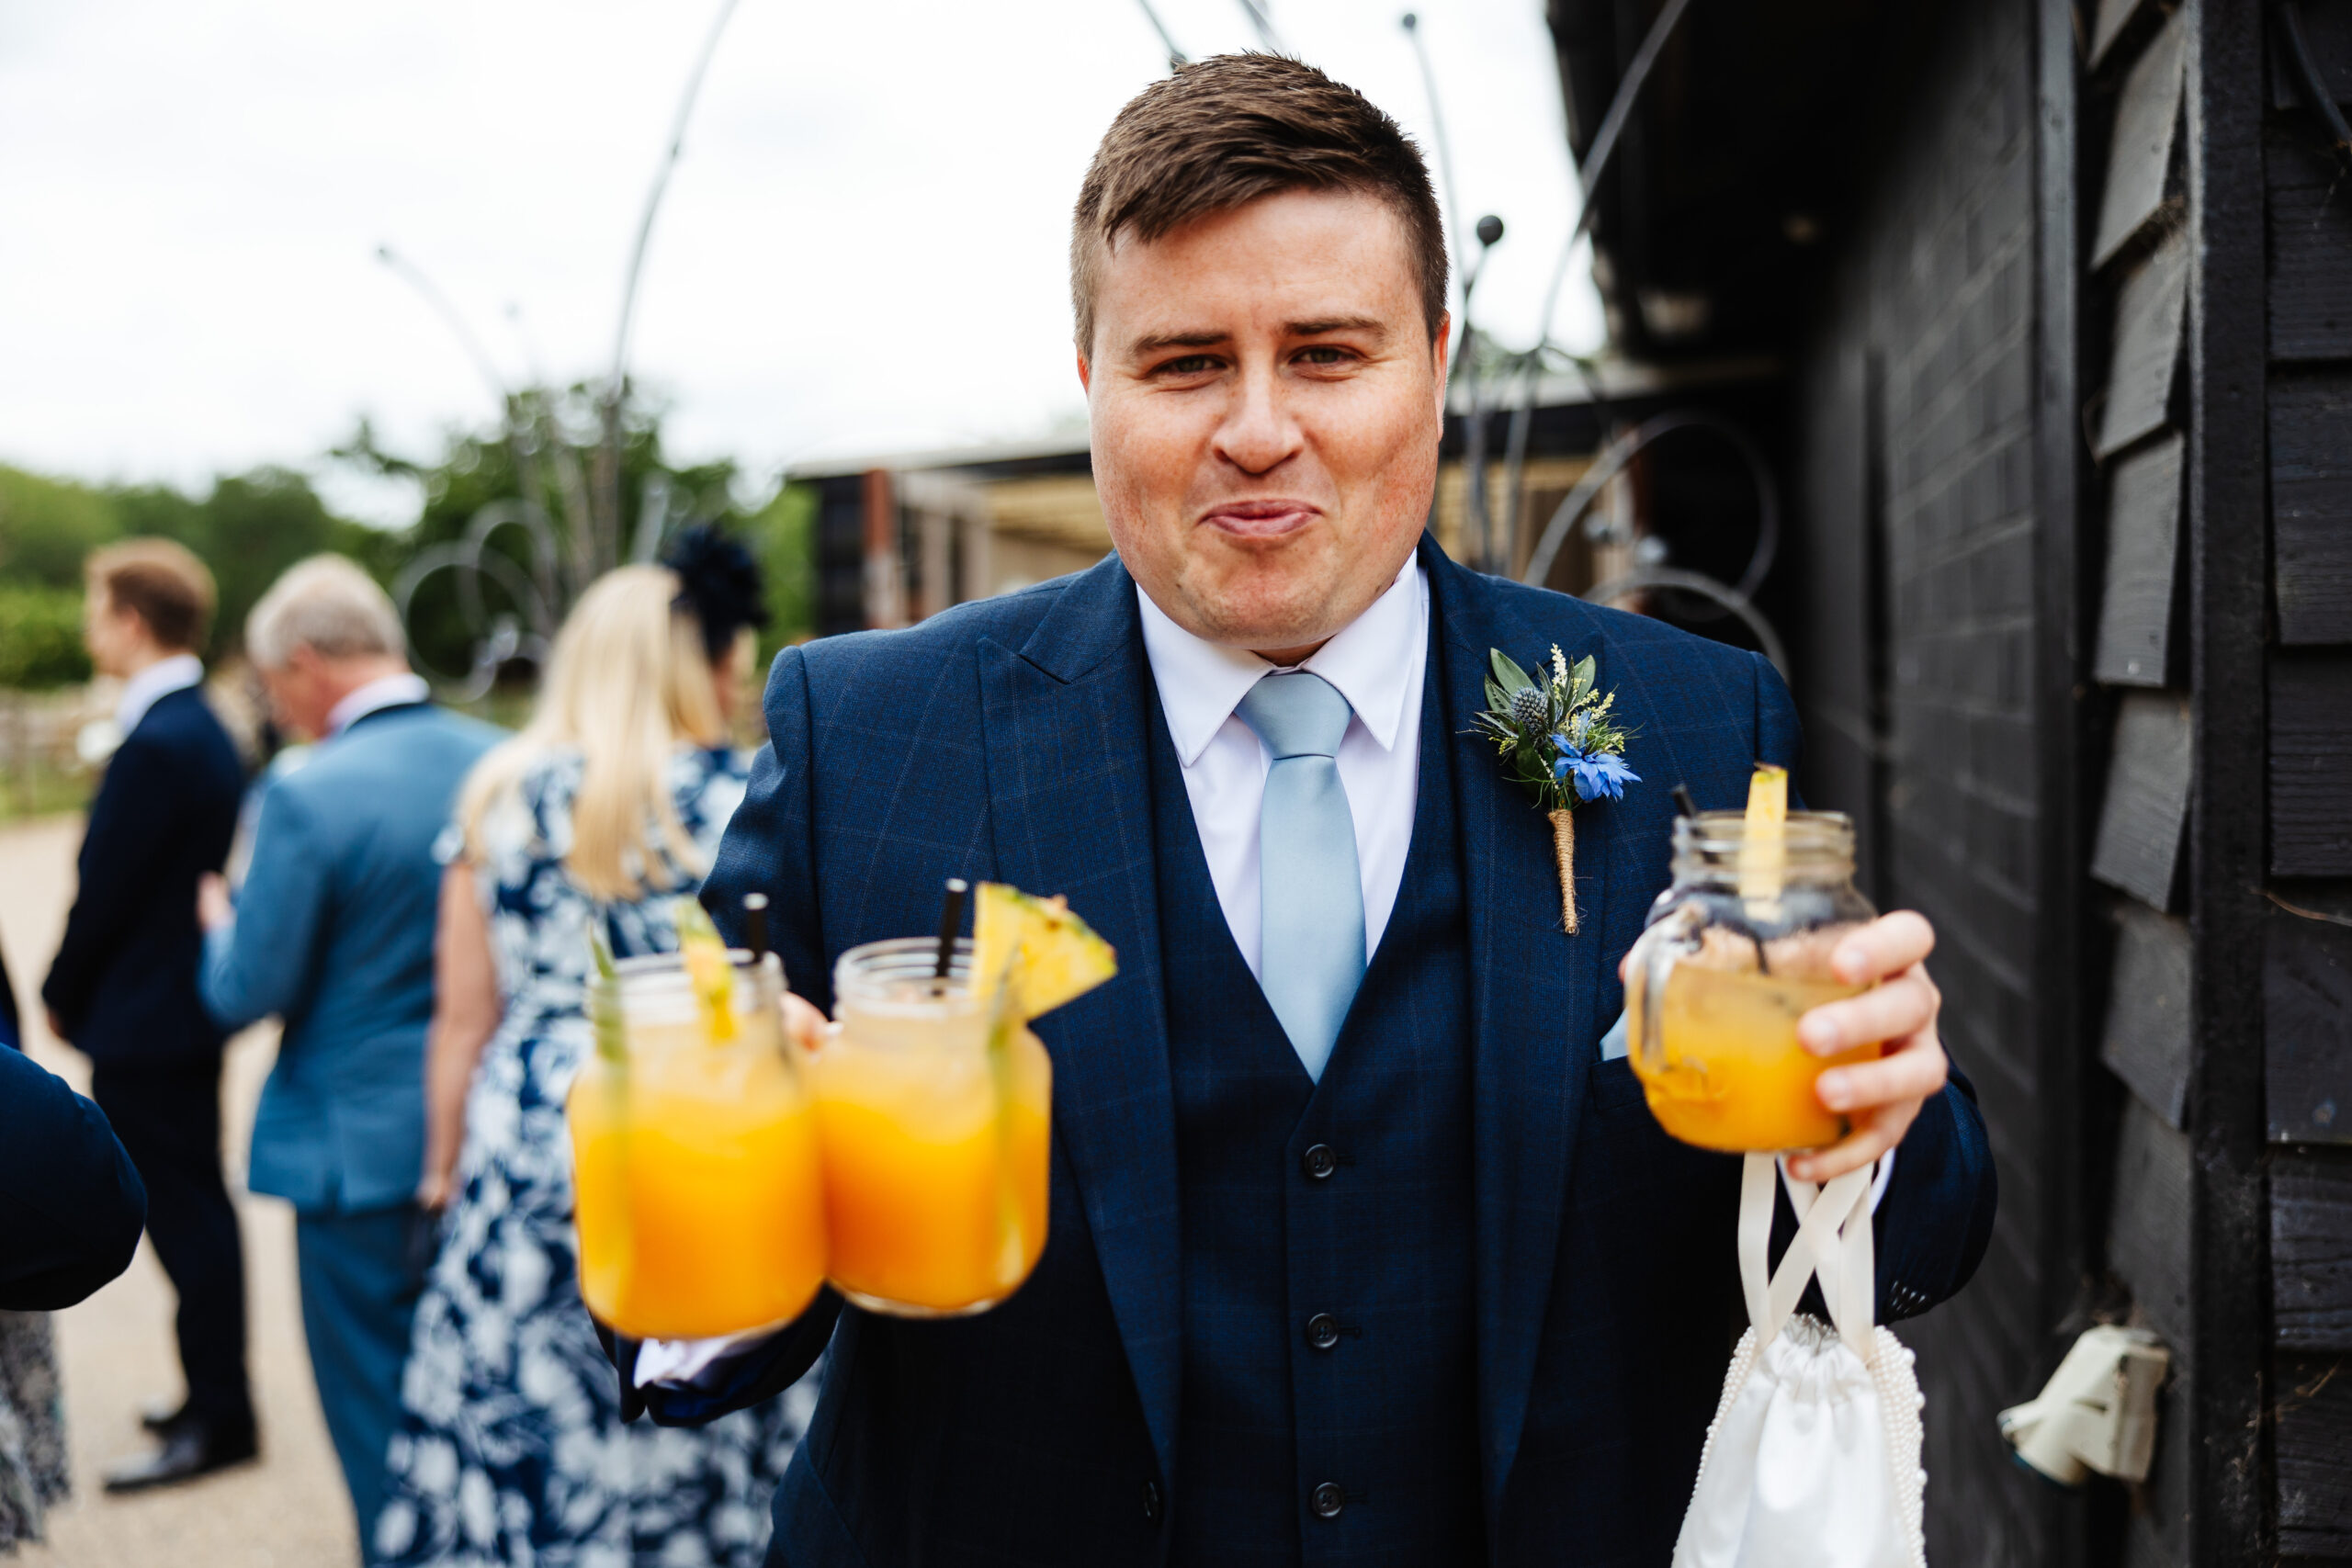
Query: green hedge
point(40, 636)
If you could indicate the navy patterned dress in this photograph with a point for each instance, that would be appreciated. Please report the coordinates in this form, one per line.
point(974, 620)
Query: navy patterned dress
point(512, 1453)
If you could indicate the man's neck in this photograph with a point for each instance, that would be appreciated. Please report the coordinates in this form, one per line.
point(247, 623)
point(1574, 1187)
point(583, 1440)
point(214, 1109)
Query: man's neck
point(138, 660)
point(350, 675)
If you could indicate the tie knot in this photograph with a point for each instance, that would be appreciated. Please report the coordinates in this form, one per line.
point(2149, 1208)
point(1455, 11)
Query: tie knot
point(1297, 714)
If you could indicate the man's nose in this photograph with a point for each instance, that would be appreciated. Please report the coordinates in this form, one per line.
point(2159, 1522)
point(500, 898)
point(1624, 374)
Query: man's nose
point(1259, 433)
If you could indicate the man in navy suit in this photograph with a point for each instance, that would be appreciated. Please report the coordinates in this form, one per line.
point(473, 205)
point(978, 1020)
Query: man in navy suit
point(1363, 1252)
point(123, 988)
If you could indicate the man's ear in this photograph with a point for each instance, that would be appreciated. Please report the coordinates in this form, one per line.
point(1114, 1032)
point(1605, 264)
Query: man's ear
point(1441, 351)
point(1085, 374)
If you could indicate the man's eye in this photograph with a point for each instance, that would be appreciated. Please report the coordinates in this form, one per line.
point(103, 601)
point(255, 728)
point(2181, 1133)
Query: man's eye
point(1191, 365)
point(1324, 353)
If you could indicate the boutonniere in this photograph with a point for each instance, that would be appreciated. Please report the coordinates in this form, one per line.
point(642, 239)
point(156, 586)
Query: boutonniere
point(1558, 742)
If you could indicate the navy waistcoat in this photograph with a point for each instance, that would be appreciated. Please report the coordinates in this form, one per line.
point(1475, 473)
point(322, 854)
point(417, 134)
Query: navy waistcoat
point(1328, 1411)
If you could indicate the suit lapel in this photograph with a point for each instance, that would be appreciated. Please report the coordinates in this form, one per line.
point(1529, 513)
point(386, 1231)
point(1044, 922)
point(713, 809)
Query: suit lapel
point(1069, 795)
point(1532, 1025)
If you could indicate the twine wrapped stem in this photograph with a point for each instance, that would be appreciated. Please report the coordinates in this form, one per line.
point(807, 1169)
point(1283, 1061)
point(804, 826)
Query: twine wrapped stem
point(1563, 853)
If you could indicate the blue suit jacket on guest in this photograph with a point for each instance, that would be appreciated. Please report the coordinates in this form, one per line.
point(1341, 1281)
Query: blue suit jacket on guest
point(335, 934)
point(1006, 739)
point(124, 982)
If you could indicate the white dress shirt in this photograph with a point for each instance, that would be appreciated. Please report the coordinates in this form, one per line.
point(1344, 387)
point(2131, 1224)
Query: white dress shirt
point(1377, 663)
point(383, 692)
point(151, 685)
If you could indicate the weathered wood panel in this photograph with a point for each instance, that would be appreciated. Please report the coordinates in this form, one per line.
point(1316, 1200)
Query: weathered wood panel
point(2310, 227)
point(2147, 799)
point(2311, 763)
point(2145, 1042)
point(2311, 500)
point(2307, 1017)
point(2138, 607)
point(2140, 156)
point(2147, 1231)
point(2310, 1251)
point(2147, 344)
point(2314, 1454)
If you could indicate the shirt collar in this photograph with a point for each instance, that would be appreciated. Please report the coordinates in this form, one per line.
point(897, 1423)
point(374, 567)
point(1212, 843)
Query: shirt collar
point(158, 681)
point(1370, 661)
point(383, 692)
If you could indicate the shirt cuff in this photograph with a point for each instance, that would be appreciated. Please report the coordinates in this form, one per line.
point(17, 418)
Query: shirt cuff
point(690, 1363)
point(1877, 1182)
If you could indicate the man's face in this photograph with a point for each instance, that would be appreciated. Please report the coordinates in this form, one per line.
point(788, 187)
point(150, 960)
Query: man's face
point(111, 634)
point(1266, 404)
point(300, 694)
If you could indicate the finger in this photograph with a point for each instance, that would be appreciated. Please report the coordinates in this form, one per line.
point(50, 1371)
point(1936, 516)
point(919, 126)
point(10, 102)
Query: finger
point(1896, 1010)
point(1910, 1074)
point(1888, 945)
point(803, 1021)
point(1868, 1140)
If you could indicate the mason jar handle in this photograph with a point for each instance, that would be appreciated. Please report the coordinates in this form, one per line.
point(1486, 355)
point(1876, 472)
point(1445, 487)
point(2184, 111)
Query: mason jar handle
point(1656, 953)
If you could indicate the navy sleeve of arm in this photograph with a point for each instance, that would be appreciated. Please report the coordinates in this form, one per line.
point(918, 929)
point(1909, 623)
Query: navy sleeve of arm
point(134, 815)
point(1937, 1218)
point(71, 1204)
point(769, 844)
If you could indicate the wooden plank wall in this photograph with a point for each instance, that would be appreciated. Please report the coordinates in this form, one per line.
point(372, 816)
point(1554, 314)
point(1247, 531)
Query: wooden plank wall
point(2307, 961)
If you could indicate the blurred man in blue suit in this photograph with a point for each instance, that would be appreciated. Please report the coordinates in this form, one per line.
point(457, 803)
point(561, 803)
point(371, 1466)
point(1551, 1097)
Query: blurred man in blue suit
point(333, 931)
point(1363, 1246)
point(123, 986)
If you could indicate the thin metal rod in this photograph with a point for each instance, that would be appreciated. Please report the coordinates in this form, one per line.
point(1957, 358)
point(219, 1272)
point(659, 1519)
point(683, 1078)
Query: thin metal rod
point(1265, 25)
point(1176, 56)
point(1463, 264)
point(414, 277)
point(1595, 162)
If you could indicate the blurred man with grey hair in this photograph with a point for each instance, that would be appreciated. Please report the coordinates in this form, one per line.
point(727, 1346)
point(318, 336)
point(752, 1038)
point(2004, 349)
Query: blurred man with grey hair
point(333, 931)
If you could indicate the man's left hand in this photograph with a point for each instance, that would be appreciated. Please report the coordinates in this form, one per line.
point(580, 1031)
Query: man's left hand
point(1879, 1099)
point(213, 909)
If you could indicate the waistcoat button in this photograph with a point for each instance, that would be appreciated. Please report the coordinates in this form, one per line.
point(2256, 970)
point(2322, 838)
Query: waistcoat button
point(1322, 1331)
point(1320, 1162)
point(1327, 1500)
point(1152, 1501)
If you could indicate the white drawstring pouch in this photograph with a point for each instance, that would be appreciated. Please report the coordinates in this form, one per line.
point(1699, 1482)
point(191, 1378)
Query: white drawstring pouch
point(1812, 1461)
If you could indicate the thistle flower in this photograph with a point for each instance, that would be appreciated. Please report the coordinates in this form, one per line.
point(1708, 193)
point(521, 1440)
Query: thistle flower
point(1530, 707)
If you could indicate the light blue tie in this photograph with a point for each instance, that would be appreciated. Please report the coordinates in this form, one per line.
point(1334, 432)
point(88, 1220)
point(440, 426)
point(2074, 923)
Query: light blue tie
point(1310, 892)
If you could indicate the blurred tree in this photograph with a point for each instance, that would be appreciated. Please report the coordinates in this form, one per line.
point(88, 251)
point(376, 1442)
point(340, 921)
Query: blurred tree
point(506, 536)
point(47, 526)
point(40, 636)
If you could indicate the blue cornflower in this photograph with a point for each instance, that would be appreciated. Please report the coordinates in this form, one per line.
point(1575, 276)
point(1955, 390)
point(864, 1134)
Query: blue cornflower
point(1596, 773)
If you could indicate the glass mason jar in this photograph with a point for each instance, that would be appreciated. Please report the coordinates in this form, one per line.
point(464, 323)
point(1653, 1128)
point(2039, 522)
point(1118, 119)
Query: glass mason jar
point(934, 1115)
point(1735, 951)
point(696, 1176)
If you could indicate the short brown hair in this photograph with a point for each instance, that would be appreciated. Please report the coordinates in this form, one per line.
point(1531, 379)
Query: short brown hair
point(1222, 132)
point(164, 583)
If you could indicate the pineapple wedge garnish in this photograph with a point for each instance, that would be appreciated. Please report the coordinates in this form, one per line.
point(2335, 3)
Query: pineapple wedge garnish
point(1046, 955)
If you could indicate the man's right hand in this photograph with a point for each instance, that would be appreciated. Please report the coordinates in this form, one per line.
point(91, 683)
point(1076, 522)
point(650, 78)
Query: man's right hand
point(803, 1022)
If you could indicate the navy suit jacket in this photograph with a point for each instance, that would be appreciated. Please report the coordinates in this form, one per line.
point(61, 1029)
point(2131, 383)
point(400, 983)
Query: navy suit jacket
point(124, 982)
point(71, 1205)
point(1006, 739)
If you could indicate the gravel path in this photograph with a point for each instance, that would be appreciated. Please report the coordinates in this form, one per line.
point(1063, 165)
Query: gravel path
point(287, 1511)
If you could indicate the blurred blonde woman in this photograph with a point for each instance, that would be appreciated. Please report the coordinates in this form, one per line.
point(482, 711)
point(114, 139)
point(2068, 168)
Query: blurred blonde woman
point(604, 810)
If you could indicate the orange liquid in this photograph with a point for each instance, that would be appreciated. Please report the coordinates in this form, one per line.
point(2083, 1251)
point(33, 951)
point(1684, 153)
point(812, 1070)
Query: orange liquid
point(934, 1202)
point(696, 1185)
point(1733, 1077)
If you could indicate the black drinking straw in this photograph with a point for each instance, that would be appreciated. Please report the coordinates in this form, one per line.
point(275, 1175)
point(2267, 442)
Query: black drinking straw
point(950, 920)
point(1683, 803)
point(755, 925)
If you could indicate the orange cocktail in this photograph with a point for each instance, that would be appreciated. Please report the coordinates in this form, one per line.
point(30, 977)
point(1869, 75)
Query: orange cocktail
point(1730, 1074)
point(695, 1158)
point(932, 1113)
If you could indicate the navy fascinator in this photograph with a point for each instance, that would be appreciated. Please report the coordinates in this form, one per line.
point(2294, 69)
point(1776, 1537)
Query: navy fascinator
point(719, 584)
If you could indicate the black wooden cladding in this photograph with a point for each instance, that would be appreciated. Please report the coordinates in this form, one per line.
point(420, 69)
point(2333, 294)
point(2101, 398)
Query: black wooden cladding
point(2147, 1230)
point(2139, 607)
point(2145, 1042)
point(2141, 154)
point(2313, 1439)
point(2307, 1019)
point(2148, 311)
point(2311, 763)
point(2311, 498)
point(2147, 799)
point(2311, 242)
point(2311, 1250)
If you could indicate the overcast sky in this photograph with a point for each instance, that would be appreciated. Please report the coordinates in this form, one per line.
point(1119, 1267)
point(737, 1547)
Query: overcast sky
point(863, 249)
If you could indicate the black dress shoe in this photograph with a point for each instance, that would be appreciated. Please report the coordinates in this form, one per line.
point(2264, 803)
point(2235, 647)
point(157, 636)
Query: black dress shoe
point(191, 1449)
point(164, 1417)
